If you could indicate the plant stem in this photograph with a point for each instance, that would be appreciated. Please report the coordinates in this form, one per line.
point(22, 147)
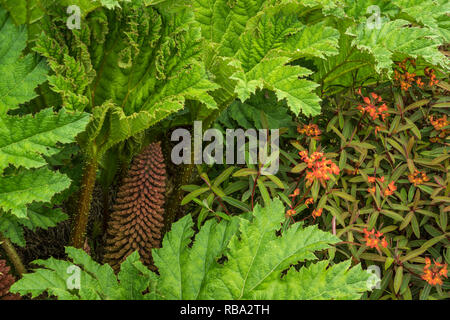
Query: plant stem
point(13, 255)
point(254, 184)
point(219, 199)
point(84, 204)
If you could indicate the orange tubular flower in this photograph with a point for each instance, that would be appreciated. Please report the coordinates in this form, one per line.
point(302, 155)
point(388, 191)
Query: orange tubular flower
point(373, 180)
point(430, 73)
point(419, 82)
point(418, 177)
point(320, 165)
point(374, 106)
point(309, 201)
point(317, 213)
point(439, 123)
point(378, 129)
point(406, 79)
point(311, 130)
point(433, 275)
point(296, 193)
point(291, 212)
point(390, 189)
point(373, 239)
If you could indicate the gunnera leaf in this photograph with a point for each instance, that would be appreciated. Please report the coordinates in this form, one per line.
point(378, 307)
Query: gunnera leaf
point(21, 74)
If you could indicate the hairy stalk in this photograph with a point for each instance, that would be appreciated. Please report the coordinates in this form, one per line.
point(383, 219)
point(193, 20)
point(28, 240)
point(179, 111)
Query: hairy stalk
point(13, 255)
point(254, 184)
point(84, 204)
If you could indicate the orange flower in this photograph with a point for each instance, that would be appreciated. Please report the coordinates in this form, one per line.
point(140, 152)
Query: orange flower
point(291, 212)
point(320, 165)
point(379, 128)
point(373, 239)
point(443, 272)
point(439, 123)
point(433, 275)
point(390, 189)
point(311, 130)
point(372, 108)
point(414, 177)
point(317, 213)
point(373, 180)
point(406, 79)
point(309, 201)
point(419, 82)
point(296, 193)
point(430, 73)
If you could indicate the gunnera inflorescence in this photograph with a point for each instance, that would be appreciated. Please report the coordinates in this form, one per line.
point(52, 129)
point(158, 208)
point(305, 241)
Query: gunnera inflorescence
point(136, 220)
point(6, 281)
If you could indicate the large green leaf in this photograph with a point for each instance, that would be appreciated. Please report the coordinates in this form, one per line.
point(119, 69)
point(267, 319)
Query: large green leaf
point(256, 43)
point(38, 216)
point(183, 270)
point(110, 126)
point(131, 67)
point(317, 282)
point(24, 141)
point(257, 255)
point(20, 74)
point(96, 282)
point(397, 37)
point(40, 185)
point(247, 114)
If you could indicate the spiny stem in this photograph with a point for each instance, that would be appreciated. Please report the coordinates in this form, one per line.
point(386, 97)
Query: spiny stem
point(84, 204)
point(13, 255)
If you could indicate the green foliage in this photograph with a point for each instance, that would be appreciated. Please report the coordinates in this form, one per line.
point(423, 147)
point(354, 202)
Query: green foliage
point(255, 259)
point(256, 112)
point(258, 257)
point(96, 281)
point(25, 141)
point(408, 149)
point(136, 69)
point(16, 191)
point(256, 43)
point(393, 37)
point(154, 59)
point(21, 74)
point(28, 141)
point(37, 216)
